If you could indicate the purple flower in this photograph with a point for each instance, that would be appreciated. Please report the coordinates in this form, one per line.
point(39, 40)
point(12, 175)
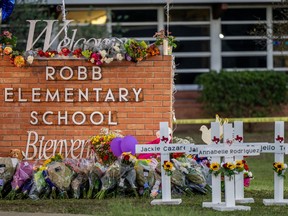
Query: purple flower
point(128, 57)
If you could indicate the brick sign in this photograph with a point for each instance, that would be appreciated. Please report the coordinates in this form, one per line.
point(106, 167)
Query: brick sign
point(55, 105)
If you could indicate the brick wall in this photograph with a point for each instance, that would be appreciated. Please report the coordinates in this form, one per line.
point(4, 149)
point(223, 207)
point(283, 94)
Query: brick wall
point(140, 119)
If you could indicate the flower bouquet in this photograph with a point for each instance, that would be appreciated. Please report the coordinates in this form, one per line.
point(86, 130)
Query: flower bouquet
point(229, 169)
point(94, 178)
point(58, 176)
point(111, 51)
point(179, 182)
point(248, 176)
point(7, 171)
point(39, 185)
point(79, 186)
point(280, 168)
point(109, 180)
point(127, 171)
point(100, 144)
point(192, 171)
point(23, 173)
point(145, 176)
point(136, 50)
point(25, 189)
point(79, 183)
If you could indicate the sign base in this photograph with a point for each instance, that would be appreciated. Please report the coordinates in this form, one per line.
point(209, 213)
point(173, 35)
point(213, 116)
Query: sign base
point(268, 202)
point(166, 202)
point(211, 205)
point(232, 208)
point(245, 200)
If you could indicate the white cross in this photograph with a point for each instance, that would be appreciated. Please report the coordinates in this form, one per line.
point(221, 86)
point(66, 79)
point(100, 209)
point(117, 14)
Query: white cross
point(164, 148)
point(228, 150)
point(280, 148)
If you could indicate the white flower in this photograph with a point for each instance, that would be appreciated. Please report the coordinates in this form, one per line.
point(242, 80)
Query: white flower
point(117, 47)
point(108, 60)
point(119, 57)
point(184, 170)
point(186, 165)
point(285, 166)
point(30, 59)
point(250, 174)
point(92, 60)
point(103, 53)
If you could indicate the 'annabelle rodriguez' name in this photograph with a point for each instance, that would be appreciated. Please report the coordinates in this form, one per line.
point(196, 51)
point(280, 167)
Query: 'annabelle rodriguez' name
point(201, 150)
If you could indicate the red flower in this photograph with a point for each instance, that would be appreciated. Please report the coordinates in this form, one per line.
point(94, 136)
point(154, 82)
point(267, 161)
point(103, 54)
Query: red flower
point(126, 157)
point(41, 53)
point(106, 157)
point(246, 166)
point(176, 155)
point(64, 51)
point(77, 52)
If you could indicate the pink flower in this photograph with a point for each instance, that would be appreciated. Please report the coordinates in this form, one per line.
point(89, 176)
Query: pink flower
point(7, 34)
point(96, 56)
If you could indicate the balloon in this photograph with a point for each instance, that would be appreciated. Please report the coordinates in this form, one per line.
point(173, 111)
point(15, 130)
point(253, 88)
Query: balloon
point(7, 8)
point(115, 146)
point(128, 144)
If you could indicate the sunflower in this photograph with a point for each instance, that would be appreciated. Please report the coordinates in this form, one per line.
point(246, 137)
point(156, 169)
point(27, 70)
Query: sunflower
point(240, 165)
point(214, 166)
point(279, 168)
point(168, 167)
point(230, 166)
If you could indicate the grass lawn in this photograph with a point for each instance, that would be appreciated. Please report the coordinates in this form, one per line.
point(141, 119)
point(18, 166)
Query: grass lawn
point(261, 188)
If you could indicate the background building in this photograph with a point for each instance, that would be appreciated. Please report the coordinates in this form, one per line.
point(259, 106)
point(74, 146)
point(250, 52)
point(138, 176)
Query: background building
point(211, 34)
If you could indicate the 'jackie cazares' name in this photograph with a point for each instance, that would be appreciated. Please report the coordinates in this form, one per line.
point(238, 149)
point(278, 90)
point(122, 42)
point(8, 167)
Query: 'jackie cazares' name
point(158, 148)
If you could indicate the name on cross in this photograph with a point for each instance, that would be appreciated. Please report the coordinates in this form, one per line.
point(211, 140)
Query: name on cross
point(168, 148)
point(228, 151)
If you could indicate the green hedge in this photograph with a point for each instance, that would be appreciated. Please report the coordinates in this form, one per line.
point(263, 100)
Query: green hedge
point(243, 94)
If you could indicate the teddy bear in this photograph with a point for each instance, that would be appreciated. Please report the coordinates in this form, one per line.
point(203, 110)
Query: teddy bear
point(16, 153)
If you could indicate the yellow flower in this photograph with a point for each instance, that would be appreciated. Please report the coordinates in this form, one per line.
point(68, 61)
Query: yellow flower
point(19, 61)
point(278, 166)
point(7, 50)
point(47, 161)
point(215, 166)
point(231, 166)
point(41, 168)
point(168, 166)
point(239, 164)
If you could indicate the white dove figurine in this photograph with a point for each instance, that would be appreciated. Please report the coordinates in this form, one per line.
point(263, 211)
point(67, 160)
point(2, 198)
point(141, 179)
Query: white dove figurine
point(206, 134)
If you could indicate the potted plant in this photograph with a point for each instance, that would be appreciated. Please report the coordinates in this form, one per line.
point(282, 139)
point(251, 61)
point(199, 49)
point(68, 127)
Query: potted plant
point(166, 40)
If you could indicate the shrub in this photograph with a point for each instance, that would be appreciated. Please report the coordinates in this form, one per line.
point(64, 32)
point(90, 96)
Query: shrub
point(243, 94)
